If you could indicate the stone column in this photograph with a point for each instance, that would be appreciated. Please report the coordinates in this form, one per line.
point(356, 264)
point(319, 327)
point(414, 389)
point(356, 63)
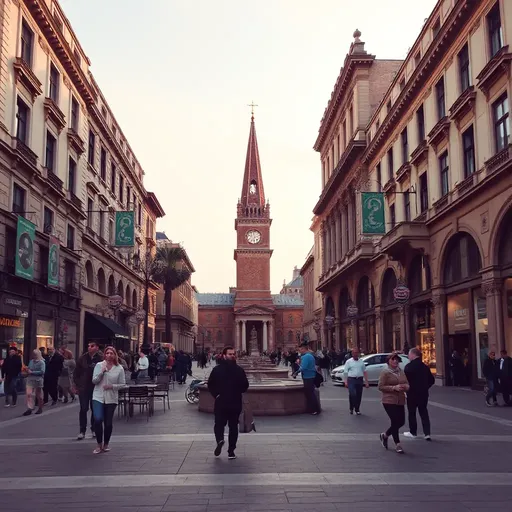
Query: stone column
point(244, 336)
point(492, 290)
point(344, 230)
point(271, 343)
point(324, 248)
point(265, 338)
point(350, 230)
point(333, 241)
point(337, 330)
point(439, 302)
point(327, 246)
point(337, 221)
point(237, 335)
point(379, 335)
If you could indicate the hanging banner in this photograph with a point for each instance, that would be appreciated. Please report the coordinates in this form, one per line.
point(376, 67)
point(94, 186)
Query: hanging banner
point(125, 229)
point(53, 262)
point(373, 213)
point(24, 266)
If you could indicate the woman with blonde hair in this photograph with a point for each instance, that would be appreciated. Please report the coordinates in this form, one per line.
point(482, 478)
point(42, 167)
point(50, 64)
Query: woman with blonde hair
point(35, 382)
point(393, 384)
point(108, 377)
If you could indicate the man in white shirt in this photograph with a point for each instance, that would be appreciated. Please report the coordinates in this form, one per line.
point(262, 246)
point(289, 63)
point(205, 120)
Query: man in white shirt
point(353, 375)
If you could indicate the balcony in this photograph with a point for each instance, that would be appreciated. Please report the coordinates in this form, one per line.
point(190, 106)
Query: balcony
point(440, 132)
point(499, 161)
point(75, 142)
point(389, 187)
point(466, 185)
point(463, 105)
point(26, 153)
point(497, 67)
point(442, 203)
point(26, 77)
point(53, 113)
point(419, 154)
point(404, 172)
point(55, 183)
point(404, 237)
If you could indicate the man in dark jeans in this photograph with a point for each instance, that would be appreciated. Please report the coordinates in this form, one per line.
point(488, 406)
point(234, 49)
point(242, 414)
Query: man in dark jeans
point(227, 383)
point(84, 386)
point(11, 370)
point(54, 363)
point(420, 381)
point(308, 370)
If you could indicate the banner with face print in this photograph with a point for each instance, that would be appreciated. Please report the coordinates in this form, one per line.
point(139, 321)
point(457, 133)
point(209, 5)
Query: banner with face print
point(24, 265)
point(53, 262)
point(373, 213)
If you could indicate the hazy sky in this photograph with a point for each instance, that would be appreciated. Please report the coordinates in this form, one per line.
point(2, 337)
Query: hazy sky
point(178, 75)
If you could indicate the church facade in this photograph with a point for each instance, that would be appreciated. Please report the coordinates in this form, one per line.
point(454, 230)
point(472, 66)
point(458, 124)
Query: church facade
point(250, 317)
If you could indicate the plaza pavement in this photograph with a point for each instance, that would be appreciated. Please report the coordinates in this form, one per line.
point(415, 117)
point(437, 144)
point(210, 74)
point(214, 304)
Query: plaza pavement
point(301, 463)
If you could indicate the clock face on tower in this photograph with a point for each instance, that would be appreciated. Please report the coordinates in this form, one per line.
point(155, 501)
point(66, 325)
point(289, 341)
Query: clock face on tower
point(253, 236)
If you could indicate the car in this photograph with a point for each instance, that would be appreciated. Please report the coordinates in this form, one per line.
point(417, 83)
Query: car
point(374, 363)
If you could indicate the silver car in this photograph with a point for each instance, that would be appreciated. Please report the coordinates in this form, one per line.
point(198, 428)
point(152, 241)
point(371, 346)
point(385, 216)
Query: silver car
point(374, 363)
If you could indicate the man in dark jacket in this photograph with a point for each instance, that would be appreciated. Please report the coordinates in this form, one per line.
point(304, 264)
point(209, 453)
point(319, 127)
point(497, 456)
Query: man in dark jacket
point(227, 383)
point(506, 376)
point(420, 381)
point(54, 363)
point(491, 371)
point(82, 377)
point(11, 370)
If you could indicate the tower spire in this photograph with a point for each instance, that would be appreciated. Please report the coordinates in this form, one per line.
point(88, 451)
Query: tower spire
point(252, 187)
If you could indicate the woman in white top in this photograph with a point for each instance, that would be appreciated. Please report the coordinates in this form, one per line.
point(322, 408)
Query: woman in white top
point(107, 378)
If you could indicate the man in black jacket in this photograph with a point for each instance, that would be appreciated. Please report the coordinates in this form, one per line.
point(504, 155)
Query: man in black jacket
point(11, 370)
point(54, 364)
point(420, 381)
point(227, 383)
point(506, 376)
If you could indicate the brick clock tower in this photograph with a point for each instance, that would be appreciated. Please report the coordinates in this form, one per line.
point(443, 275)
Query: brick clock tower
point(253, 308)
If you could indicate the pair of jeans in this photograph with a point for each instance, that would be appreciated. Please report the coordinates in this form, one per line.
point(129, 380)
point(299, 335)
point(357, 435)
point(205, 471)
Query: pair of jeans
point(103, 420)
point(223, 416)
point(355, 392)
point(418, 403)
point(10, 385)
point(310, 392)
point(85, 398)
point(50, 388)
point(34, 394)
point(491, 393)
point(396, 414)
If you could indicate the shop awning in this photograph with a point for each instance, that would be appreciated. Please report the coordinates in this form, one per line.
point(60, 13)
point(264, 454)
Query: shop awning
point(101, 328)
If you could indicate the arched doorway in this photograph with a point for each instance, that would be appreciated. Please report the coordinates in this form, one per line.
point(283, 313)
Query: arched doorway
point(504, 262)
point(421, 311)
point(391, 313)
point(347, 339)
point(467, 341)
point(365, 301)
point(89, 275)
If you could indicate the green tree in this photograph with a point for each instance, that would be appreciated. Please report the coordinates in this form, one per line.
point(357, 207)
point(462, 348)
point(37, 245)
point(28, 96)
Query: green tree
point(169, 270)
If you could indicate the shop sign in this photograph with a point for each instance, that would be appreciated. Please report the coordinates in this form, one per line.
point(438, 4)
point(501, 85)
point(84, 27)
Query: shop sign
point(401, 294)
point(10, 322)
point(53, 262)
point(24, 265)
point(9, 301)
point(458, 313)
point(125, 229)
point(373, 213)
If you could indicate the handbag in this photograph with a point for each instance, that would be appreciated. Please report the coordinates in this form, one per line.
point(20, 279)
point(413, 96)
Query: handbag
point(318, 379)
point(246, 419)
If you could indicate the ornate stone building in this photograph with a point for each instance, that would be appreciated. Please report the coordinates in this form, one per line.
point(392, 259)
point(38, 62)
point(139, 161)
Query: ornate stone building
point(436, 142)
point(295, 287)
point(230, 318)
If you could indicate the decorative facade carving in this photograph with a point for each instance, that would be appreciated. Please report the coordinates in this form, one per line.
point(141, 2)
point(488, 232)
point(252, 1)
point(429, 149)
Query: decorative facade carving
point(492, 287)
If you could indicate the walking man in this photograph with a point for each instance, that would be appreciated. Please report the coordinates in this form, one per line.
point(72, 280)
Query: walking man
point(420, 381)
point(11, 370)
point(227, 383)
point(505, 376)
point(83, 382)
point(354, 373)
point(308, 370)
point(54, 363)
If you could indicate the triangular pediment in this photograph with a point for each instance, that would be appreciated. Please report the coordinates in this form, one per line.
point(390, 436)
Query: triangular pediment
point(254, 310)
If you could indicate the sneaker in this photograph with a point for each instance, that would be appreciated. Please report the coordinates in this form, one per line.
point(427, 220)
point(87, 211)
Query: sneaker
point(218, 448)
point(488, 403)
point(358, 413)
point(80, 436)
point(351, 411)
point(13, 405)
point(28, 412)
point(399, 449)
point(7, 405)
point(428, 438)
point(410, 435)
point(39, 411)
point(231, 455)
point(383, 441)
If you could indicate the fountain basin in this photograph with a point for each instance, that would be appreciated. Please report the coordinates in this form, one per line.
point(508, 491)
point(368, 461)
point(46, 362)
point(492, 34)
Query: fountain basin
point(266, 373)
point(270, 397)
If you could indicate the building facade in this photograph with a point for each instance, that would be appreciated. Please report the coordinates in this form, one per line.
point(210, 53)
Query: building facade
point(250, 317)
point(183, 308)
point(295, 287)
point(67, 169)
point(435, 148)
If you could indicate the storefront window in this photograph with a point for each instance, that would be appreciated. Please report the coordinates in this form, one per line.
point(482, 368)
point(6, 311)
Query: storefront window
point(68, 336)
point(12, 332)
point(346, 335)
point(392, 340)
point(423, 324)
point(45, 333)
point(507, 312)
point(481, 323)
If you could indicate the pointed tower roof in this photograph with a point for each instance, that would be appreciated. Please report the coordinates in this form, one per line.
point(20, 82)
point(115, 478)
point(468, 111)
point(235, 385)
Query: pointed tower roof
point(252, 186)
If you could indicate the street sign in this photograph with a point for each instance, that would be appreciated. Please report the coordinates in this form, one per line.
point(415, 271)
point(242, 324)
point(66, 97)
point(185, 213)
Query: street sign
point(24, 265)
point(125, 229)
point(373, 213)
point(53, 262)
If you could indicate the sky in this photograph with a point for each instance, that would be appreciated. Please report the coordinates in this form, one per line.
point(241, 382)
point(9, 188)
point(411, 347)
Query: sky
point(179, 74)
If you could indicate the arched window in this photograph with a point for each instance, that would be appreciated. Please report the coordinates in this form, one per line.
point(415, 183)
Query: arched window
point(388, 285)
point(102, 287)
point(344, 302)
point(505, 248)
point(462, 260)
point(120, 289)
point(418, 277)
point(111, 286)
point(89, 275)
point(128, 294)
point(290, 336)
point(365, 295)
point(134, 299)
